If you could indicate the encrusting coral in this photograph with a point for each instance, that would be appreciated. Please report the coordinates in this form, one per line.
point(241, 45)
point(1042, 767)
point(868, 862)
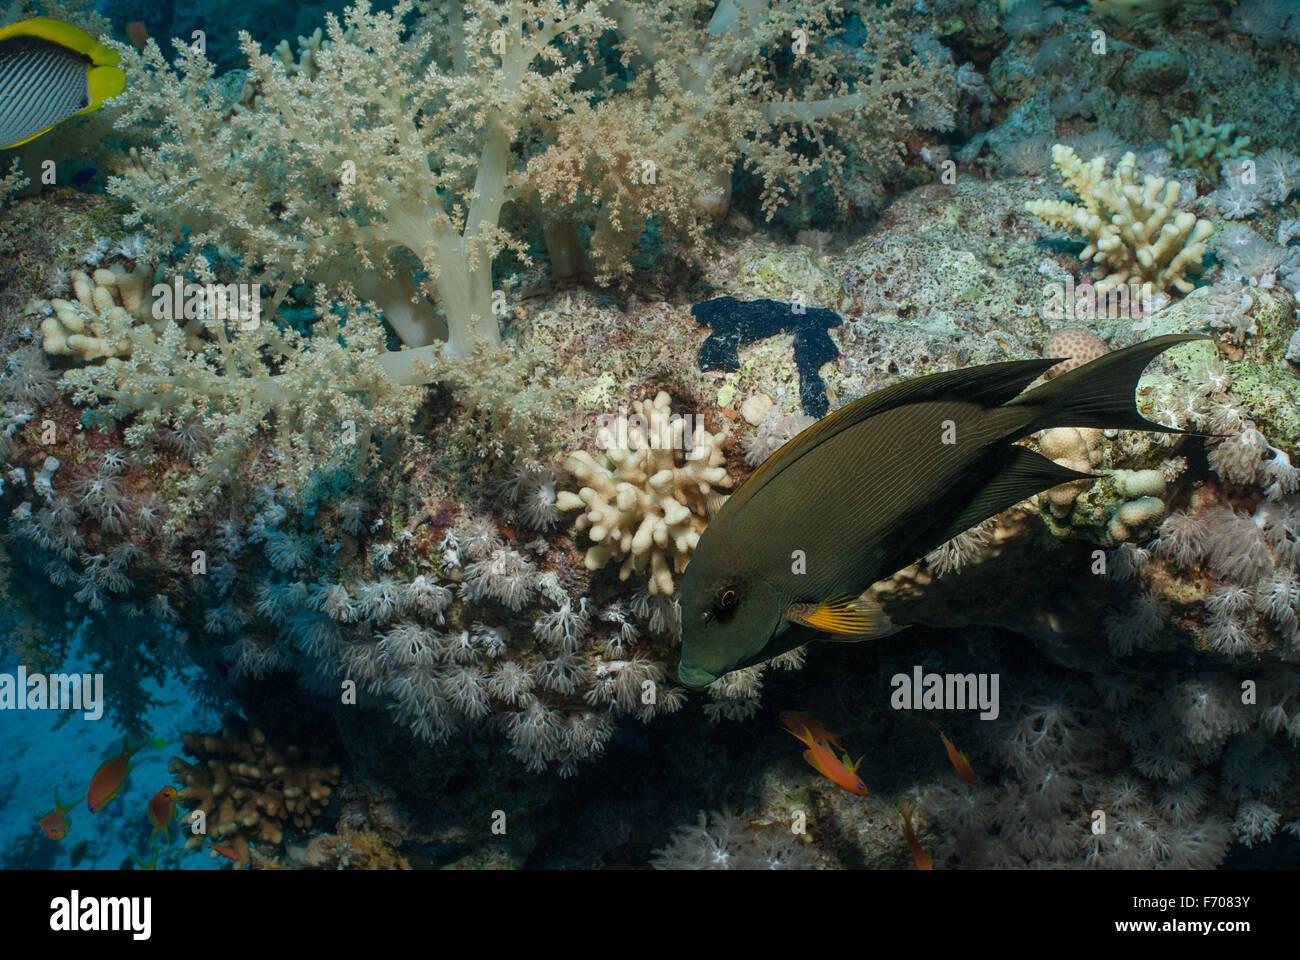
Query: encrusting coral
point(1136, 234)
point(646, 499)
point(250, 790)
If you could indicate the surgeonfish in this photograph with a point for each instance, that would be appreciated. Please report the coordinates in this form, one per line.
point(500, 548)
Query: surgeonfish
point(56, 822)
point(112, 773)
point(919, 856)
point(960, 762)
point(161, 809)
point(836, 769)
point(867, 490)
point(50, 71)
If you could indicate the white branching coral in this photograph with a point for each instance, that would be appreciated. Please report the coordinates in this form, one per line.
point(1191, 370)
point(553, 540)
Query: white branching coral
point(1136, 234)
point(324, 395)
point(103, 302)
point(647, 503)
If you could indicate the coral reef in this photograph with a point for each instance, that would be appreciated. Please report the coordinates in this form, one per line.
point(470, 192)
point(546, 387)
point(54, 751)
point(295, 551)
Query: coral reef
point(250, 790)
point(1136, 234)
point(646, 499)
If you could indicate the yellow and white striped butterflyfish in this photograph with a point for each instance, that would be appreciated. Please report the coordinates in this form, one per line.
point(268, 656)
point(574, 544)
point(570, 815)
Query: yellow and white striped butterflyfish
point(879, 483)
point(50, 71)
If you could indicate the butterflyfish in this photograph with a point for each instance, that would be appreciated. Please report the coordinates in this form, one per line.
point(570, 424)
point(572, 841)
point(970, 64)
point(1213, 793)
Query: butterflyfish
point(50, 71)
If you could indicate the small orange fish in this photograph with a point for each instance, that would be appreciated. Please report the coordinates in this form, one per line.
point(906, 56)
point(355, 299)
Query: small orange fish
point(833, 768)
point(153, 864)
point(960, 762)
point(56, 823)
point(137, 34)
point(223, 851)
point(794, 719)
point(161, 809)
point(919, 856)
point(112, 773)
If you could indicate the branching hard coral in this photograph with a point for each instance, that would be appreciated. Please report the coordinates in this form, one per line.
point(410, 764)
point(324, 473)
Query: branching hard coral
point(1203, 147)
point(1136, 234)
point(85, 327)
point(648, 502)
point(250, 790)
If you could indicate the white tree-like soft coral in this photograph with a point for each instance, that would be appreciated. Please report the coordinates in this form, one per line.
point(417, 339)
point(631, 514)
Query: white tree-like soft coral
point(237, 382)
point(395, 144)
point(647, 503)
point(1136, 234)
point(385, 159)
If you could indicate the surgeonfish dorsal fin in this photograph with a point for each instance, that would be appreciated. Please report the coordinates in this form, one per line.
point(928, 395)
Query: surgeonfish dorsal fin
point(1023, 473)
point(990, 385)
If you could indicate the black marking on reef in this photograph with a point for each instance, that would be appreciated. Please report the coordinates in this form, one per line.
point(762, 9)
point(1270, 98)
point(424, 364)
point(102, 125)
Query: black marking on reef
point(736, 323)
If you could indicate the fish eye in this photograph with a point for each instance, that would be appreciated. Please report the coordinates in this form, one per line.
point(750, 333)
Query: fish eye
point(727, 600)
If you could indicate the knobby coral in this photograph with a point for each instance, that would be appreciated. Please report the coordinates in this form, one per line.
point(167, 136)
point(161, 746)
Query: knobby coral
point(646, 499)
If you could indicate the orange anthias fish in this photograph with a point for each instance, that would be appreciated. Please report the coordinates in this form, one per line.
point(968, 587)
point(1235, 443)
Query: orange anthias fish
point(153, 864)
point(161, 809)
point(137, 34)
point(833, 768)
point(795, 719)
point(919, 856)
point(960, 762)
point(112, 773)
point(56, 823)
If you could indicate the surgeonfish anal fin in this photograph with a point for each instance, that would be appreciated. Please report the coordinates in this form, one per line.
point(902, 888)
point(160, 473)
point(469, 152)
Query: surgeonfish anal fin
point(1023, 473)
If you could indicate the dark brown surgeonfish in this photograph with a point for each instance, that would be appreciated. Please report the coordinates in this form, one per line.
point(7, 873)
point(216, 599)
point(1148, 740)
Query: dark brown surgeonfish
point(874, 486)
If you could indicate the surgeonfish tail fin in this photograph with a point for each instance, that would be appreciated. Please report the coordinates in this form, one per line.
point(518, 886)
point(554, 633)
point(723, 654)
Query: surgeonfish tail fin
point(1100, 393)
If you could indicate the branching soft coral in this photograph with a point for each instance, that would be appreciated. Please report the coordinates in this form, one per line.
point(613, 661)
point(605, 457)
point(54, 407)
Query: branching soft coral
point(387, 164)
point(393, 157)
point(236, 382)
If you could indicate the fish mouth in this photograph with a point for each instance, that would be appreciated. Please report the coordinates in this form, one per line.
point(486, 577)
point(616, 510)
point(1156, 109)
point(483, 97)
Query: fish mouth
point(694, 679)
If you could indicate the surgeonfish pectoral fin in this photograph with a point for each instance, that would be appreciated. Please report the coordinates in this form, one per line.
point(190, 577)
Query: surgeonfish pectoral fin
point(845, 618)
point(715, 502)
